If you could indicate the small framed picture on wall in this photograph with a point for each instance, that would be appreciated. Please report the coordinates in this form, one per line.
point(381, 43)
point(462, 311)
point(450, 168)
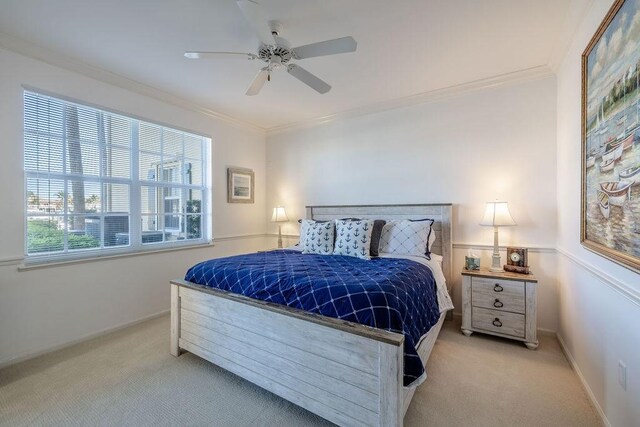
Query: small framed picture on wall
point(240, 184)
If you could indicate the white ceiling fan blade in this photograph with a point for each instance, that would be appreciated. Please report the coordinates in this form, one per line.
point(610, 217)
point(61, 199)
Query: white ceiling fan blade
point(254, 13)
point(309, 79)
point(258, 82)
point(211, 55)
point(328, 47)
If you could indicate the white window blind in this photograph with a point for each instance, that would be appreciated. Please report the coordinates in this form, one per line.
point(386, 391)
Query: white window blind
point(98, 181)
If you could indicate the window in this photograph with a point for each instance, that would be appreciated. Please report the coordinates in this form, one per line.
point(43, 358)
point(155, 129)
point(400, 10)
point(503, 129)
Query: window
point(97, 181)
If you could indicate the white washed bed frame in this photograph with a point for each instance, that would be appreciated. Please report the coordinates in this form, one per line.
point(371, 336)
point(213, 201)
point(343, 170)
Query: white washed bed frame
point(345, 372)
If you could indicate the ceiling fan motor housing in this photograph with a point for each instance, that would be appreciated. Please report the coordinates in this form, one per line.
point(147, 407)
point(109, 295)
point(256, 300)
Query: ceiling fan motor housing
point(281, 49)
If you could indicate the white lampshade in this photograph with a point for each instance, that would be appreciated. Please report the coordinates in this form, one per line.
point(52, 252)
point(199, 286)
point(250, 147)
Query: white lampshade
point(279, 215)
point(497, 214)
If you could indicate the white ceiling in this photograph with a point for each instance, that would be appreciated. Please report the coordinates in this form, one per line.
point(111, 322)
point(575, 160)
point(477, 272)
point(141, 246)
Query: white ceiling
point(405, 47)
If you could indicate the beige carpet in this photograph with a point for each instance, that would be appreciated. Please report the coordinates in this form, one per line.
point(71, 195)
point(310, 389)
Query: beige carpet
point(129, 378)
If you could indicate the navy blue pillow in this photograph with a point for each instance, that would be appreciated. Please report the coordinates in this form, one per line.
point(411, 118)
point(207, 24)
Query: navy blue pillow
point(376, 233)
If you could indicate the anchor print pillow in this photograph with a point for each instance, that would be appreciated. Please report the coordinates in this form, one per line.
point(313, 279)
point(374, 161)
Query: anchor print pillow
point(353, 238)
point(316, 237)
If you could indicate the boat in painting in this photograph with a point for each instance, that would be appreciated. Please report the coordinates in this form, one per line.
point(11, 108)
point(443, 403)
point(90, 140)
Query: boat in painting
point(627, 142)
point(614, 152)
point(596, 153)
point(591, 161)
point(613, 143)
point(618, 191)
point(603, 203)
point(621, 120)
point(606, 166)
point(631, 174)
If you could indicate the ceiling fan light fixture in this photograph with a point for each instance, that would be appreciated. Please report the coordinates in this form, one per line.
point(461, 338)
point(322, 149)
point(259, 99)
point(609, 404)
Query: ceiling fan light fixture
point(275, 61)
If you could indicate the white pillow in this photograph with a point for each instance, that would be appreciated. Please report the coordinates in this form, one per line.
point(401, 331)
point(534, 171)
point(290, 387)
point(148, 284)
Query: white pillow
point(405, 237)
point(353, 238)
point(316, 237)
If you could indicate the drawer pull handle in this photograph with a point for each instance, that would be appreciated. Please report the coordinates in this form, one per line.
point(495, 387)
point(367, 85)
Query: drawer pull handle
point(496, 322)
point(497, 303)
point(498, 288)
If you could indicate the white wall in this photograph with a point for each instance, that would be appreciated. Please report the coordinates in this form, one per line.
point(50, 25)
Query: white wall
point(44, 308)
point(467, 149)
point(599, 300)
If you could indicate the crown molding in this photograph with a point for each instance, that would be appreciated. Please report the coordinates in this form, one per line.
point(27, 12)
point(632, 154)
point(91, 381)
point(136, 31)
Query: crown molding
point(576, 16)
point(35, 51)
point(520, 76)
point(57, 59)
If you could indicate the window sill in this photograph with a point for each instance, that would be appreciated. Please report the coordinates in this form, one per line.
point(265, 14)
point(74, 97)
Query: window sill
point(36, 265)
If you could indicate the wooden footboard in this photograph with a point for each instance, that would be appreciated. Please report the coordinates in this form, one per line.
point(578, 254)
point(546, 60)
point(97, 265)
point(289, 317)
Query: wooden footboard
point(349, 374)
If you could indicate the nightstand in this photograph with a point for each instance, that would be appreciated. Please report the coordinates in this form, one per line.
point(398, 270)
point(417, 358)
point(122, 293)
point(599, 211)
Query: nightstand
point(502, 304)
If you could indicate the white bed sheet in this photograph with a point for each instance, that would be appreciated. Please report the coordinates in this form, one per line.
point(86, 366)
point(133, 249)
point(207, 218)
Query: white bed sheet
point(435, 265)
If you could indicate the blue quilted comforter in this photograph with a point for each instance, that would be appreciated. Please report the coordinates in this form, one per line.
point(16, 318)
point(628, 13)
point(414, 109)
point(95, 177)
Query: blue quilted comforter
point(398, 295)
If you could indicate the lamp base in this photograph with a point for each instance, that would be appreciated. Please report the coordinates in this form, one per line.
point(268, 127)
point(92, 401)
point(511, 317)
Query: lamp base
point(496, 264)
point(279, 236)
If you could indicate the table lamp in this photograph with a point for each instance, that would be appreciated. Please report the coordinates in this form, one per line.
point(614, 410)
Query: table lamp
point(496, 215)
point(279, 216)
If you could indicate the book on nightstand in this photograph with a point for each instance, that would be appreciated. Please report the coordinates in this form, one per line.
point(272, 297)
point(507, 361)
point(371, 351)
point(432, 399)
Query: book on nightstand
point(516, 269)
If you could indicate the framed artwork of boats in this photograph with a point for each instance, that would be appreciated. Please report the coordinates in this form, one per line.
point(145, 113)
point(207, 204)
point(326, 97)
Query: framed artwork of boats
point(610, 214)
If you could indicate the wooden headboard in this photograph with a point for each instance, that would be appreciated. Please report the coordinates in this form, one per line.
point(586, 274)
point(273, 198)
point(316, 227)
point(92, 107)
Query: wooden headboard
point(440, 212)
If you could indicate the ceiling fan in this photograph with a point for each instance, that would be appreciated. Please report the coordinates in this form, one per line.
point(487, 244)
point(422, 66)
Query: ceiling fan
point(277, 53)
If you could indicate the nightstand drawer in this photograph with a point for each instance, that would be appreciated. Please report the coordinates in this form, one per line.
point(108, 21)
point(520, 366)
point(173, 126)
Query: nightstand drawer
point(498, 287)
point(498, 321)
point(506, 300)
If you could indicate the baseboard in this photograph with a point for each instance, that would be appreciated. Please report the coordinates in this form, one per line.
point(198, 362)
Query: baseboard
point(547, 332)
point(28, 356)
point(583, 380)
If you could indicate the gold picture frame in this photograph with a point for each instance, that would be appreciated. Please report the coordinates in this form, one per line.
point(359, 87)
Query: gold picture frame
point(610, 145)
point(240, 185)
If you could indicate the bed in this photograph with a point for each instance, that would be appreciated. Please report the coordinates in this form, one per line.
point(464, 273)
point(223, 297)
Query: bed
point(345, 372)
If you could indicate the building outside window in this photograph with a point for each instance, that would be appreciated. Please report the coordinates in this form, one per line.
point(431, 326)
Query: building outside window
point(98, 181)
